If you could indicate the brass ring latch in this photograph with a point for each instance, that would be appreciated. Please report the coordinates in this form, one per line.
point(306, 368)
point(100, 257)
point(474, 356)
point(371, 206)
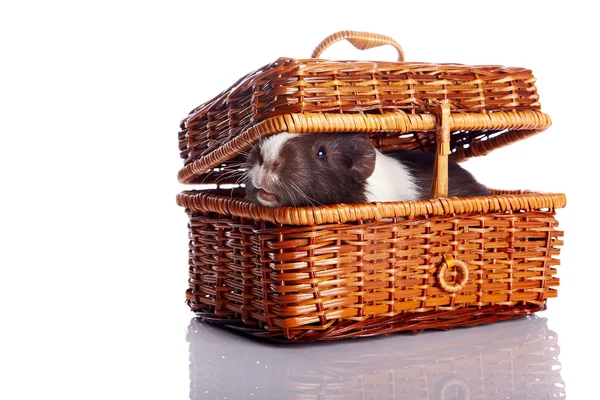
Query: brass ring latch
point(449, 261)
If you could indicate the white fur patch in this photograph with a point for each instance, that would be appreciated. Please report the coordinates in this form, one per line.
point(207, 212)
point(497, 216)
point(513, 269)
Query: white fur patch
point(390, 181)
point(270, 148)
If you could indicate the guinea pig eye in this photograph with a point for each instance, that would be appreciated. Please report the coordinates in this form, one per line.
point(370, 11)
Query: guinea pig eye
point(321, 154)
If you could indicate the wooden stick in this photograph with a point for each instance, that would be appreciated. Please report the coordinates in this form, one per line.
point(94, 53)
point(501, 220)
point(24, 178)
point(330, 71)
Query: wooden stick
point(440, 170)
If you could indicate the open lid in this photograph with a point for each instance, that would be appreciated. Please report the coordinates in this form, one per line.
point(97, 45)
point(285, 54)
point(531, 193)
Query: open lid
point(398, 104)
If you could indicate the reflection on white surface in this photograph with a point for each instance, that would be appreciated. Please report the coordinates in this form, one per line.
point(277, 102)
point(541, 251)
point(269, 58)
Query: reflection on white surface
point(507, 360)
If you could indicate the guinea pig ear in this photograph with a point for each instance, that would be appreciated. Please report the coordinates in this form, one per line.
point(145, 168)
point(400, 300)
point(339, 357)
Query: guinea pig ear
point(362, 154)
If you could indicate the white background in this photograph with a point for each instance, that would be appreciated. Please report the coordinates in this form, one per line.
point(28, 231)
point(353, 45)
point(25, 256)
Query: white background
point(93, 250)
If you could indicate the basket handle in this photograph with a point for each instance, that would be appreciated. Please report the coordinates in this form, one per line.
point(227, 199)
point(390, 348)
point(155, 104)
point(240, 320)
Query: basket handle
point(360, 40)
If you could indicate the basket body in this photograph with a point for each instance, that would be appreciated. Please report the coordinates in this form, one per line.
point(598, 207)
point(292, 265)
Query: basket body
point(368, 277)
point(337, 271)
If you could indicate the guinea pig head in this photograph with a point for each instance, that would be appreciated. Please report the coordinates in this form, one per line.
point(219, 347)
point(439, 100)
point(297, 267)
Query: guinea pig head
point(309, 169)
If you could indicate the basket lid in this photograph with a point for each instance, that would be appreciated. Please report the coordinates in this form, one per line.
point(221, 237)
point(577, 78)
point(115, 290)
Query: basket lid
point(395, 103)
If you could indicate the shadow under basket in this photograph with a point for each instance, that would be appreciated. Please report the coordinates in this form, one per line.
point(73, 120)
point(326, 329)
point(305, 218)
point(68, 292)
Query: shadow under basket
point(352, 270)
point(513, 360)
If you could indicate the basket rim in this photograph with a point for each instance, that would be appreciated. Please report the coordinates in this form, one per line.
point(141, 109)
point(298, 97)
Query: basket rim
point(502, 201)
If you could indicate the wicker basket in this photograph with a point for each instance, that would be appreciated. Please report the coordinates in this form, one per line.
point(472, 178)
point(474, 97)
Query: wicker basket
point(348, 270)
point(512, 360)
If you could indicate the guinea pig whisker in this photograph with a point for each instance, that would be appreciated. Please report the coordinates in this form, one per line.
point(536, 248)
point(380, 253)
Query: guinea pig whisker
point(298, 191)
point(237, 182)
point(258, 135)
point(222, 175)
point(233, 171)
point(234, 178)
point(289, 193)
point(228, 175)
point(247, 141)
point(310, 199)
point(208, 175)
point(224, 141)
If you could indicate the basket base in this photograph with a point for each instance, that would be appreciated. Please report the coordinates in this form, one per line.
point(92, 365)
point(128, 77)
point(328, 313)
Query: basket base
point(405, 322)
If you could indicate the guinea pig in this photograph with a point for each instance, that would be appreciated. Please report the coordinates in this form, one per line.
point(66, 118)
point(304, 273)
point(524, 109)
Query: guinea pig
point(327, 168)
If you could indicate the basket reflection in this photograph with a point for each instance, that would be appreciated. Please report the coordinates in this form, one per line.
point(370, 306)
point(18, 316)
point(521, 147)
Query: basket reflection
point(507, 360)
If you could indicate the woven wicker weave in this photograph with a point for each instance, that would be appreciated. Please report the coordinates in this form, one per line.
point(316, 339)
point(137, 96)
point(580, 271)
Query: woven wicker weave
point(515, 360)
point(344, 270)
point(299, 282)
